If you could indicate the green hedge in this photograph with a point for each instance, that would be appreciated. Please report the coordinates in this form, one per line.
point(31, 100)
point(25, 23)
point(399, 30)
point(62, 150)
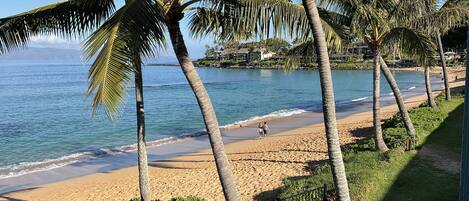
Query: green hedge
point(189, 198)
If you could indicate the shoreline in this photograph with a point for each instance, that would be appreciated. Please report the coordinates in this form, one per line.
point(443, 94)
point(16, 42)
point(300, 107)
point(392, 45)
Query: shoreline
point(344, 108)
point(181, 175)
point(285, 125)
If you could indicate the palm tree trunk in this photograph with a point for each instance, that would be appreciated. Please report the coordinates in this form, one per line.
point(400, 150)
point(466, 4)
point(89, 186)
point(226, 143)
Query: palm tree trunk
point(144, 181)
point(443, 66)
point(399, 100)
point(328, 102)
point(380, 145)
point(211, 124)
point(464, 176)
point(428, 86)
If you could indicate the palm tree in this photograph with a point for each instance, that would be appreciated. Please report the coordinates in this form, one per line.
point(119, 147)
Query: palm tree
point(455, 13)
point(174, 14)
point(464, 177)
point(443, 66)
point(328, 102)
point(254, 19)
point(336, 17)
point(384, 25)
point(77, 17)
point(399, 100)
point(120, 42)
point(428, 86)
point(361, 17)
point(380, 144)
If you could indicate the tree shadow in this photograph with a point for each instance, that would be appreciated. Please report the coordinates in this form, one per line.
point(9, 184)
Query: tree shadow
point(362, 133)
point(167, 162)
point(8, 198)
point(273, 194)
point(420, 179)
point(433, 183)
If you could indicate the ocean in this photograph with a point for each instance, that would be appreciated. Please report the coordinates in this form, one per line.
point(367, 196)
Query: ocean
point(46, 118)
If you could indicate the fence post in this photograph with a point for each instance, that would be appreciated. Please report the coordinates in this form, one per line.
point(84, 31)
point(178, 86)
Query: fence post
point(324, 195)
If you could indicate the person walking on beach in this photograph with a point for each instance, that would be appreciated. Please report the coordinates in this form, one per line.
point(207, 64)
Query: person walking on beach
point(265, 128)
point(261, 130)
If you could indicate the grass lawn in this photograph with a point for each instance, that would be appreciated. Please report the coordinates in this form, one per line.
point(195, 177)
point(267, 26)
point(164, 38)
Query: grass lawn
point(429, 173)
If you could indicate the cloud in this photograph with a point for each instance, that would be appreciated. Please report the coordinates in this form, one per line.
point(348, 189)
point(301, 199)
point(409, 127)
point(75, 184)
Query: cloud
point(53, 41)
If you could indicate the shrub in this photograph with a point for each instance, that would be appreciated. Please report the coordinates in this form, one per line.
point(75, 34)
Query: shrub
point(189, 198)
point(365, 145)
point(393, 122)
point(427, 119)
point(395, 137)
point(138, 199)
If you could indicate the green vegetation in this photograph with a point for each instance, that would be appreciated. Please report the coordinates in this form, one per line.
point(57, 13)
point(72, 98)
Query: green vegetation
point(189, 198)
point(275, 63)
point(139, 199)
point(397, 174)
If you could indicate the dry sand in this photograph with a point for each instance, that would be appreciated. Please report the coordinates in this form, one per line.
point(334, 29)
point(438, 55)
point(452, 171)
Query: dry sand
point(259, 166)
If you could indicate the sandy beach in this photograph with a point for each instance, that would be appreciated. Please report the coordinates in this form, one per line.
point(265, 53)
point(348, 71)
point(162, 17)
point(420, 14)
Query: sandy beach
point(259, 165)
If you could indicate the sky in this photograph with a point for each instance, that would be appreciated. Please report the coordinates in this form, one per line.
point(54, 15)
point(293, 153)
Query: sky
point(196, 47)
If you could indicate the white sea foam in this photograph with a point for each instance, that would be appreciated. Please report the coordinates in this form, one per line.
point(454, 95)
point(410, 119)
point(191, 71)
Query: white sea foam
point(30, 167)
point(359, 99)
point(276, 114)
point(411, 88)
point(48, 164)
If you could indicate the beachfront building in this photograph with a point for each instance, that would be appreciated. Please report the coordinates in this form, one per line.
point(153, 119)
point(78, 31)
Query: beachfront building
point(244, 54)
point(260, 54)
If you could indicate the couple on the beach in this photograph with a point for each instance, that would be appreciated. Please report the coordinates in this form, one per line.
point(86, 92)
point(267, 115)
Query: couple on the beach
point(262, 129)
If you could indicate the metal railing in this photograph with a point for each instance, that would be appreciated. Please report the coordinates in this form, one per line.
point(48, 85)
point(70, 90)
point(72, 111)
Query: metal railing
point(317, 194)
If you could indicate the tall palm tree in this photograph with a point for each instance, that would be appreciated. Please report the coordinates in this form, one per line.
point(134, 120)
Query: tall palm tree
point(174, 14)
point(253, 20)
point(428, 86)
point(464, 176)
point(405, 24)
point(360, 18)
point(455, 13)
point(443, 66)
point(336, 17)
point(74, 17)
point(398, 96)
point(120, 41)
point(328, 101)
point(384, 25)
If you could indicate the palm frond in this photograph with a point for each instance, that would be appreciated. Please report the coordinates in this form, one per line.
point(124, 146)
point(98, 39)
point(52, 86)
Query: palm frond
point(405, 11)
point(443, 20)
point(67, 19)
point(133, 31)
point(305, 51)
point(206, 21)
point(262, 19)
point(410, 42)
point(366, 20)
